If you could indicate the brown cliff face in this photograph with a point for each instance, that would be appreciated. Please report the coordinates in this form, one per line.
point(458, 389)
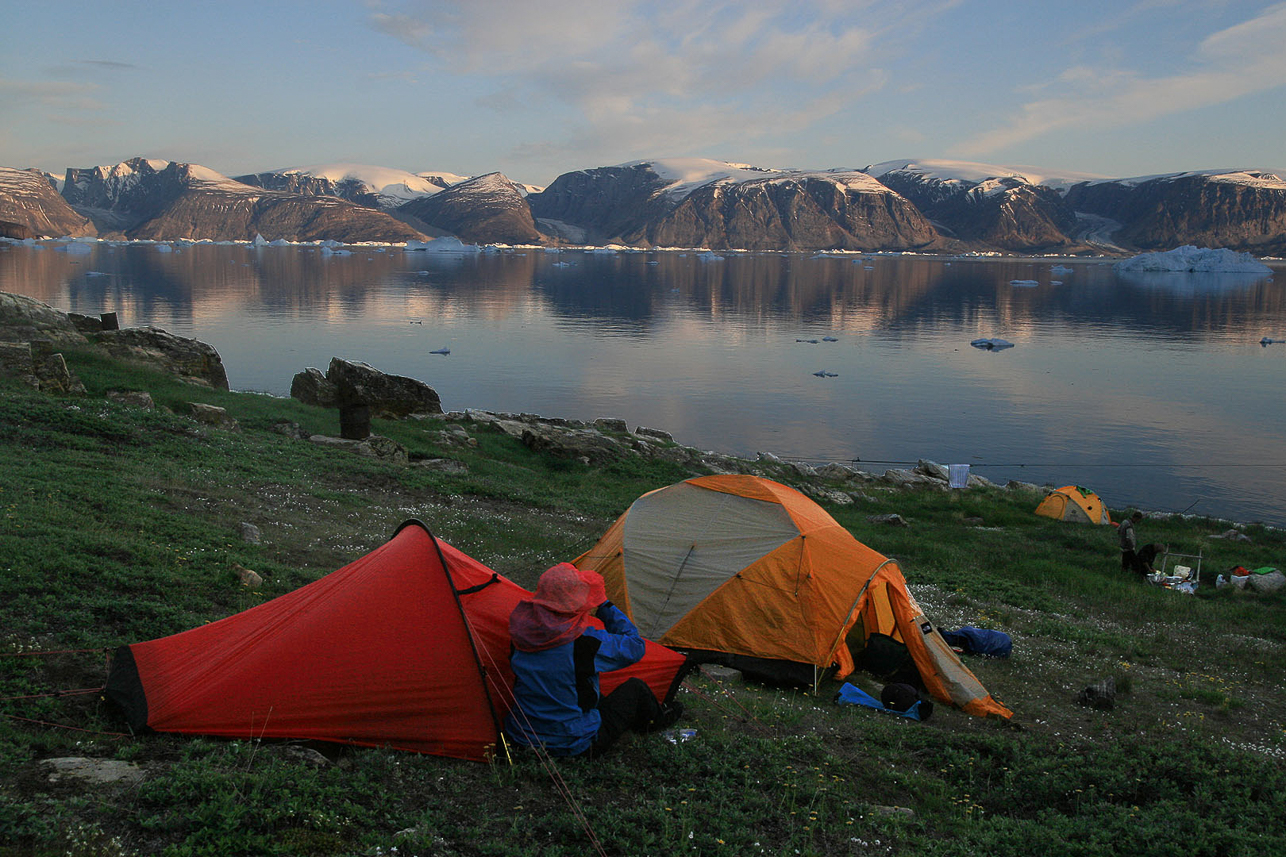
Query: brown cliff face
point(1004, 213)
point(782, 211)
point(31, 207)
point(605, 204)
point(488, 209)
point(165, 201)
point(808, 212)
point(1240, 211)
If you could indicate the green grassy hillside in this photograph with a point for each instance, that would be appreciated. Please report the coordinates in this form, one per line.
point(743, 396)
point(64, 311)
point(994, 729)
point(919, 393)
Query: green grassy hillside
point(119, 524)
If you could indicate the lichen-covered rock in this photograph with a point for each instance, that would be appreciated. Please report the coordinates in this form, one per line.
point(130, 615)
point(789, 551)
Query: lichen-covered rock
point(579, 444)
point(133, 398)
point(212, 415)
point(189, 359)
point(16, 362)
point(23, 319)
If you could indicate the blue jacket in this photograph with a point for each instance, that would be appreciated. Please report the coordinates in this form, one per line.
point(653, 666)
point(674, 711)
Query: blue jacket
point(556, 690)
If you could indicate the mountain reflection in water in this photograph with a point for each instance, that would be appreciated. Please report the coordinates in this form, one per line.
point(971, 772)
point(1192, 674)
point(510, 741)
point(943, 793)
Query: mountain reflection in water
point(1153, 390)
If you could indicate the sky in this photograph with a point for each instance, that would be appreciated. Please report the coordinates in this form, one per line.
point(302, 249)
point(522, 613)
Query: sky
point(535, 89)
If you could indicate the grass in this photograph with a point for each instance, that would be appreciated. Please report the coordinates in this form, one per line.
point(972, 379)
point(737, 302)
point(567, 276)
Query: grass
point(119, 525)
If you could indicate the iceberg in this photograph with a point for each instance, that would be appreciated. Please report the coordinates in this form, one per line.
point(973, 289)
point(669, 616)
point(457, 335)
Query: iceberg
point(446, 244)
point(1027, 284)
point(992, 344)
point(1193, 260)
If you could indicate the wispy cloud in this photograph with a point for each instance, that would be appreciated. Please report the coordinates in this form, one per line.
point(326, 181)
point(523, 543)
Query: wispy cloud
point(1226, 65)
point(660, 77)
point(49, 93)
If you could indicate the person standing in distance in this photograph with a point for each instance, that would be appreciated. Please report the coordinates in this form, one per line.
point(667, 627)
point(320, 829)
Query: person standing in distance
point(1130, 543)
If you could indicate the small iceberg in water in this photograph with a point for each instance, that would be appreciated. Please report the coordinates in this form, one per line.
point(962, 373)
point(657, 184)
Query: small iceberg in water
point(1268, 340)
point(441, 351)
point(829, 339)
point(992, 344)
point(825, 374)
point(1026, 284)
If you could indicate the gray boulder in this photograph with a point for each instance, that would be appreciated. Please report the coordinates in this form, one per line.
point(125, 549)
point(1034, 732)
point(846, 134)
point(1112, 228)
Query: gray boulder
point(1268, 582)
point(133, 398)
point(35, 364)
point(907, 478)
point(932, 470)
point(654, 434)
point(189, 359)
point(387, 396)
point(23, 319)
point(585, 445)
point(891, 518)
point(313, 388)
point(612, 424)
point(212, 415)
point(372, 446)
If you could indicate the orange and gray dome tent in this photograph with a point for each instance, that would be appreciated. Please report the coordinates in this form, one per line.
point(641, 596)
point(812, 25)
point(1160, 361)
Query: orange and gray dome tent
point(1076, 504)
point(745, 570)
point(406, 648)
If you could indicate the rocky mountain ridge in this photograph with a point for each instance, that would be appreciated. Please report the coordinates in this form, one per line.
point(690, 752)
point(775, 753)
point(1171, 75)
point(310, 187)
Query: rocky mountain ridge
point(928, 206)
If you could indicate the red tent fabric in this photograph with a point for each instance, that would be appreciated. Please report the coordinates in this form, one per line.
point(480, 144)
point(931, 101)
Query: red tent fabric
point(406, 647)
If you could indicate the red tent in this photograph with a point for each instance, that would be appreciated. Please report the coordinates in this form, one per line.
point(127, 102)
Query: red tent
point(407, 647)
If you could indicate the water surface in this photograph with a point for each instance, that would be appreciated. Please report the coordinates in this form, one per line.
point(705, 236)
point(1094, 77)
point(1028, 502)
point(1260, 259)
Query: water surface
point(1153, 391)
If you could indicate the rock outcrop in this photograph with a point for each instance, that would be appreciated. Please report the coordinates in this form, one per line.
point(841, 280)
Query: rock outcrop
point(30, 207)
point(488, 209)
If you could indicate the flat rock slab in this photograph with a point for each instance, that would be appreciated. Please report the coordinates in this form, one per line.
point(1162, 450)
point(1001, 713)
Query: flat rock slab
point(93, 771)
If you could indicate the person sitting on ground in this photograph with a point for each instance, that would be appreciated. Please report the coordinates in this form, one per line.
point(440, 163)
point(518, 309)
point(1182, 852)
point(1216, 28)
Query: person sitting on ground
point(1147, 555)
point(557, 657)
point(1130, 543)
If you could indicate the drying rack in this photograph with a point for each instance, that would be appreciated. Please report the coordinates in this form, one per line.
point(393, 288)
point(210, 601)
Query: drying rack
point(1194, 564)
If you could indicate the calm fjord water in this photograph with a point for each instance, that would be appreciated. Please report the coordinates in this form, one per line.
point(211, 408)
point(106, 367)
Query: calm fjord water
point(1152, 391)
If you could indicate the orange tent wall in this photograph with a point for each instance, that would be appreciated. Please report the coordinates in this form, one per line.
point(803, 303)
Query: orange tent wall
point(823, 574)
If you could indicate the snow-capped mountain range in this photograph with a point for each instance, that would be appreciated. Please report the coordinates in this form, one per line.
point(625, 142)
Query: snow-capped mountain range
point(913, 204)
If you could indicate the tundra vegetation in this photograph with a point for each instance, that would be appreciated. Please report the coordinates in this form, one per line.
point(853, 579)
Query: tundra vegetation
point(120, 524)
